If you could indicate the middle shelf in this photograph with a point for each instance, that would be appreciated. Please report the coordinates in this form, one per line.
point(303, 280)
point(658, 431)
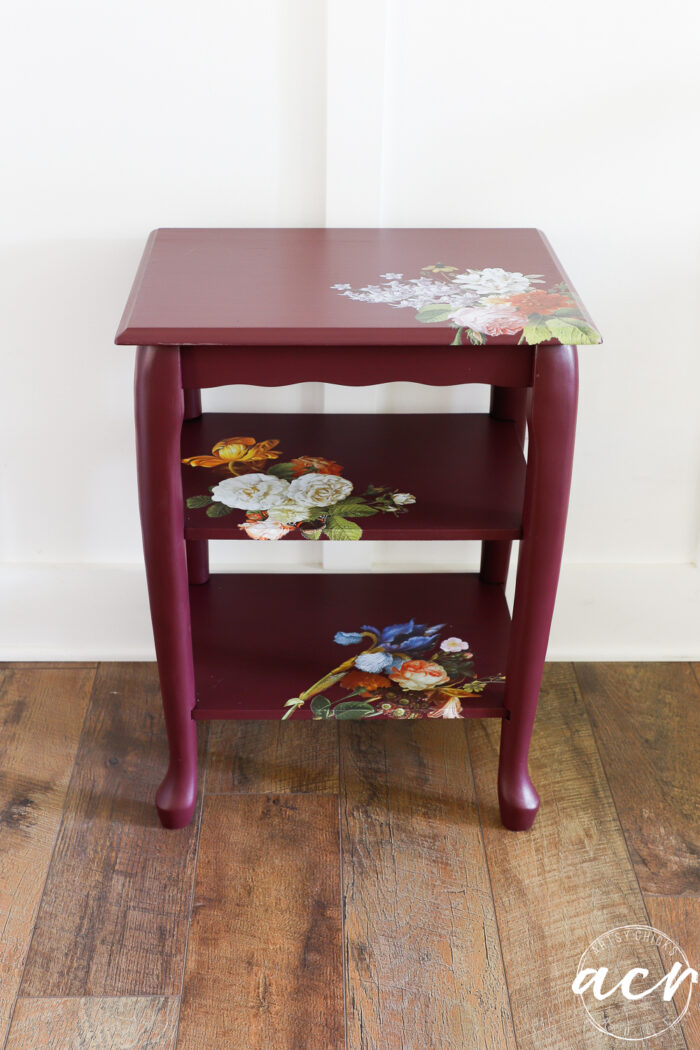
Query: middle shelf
point(352, 476)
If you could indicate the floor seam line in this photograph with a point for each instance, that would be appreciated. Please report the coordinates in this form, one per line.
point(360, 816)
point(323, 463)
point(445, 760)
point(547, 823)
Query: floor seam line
point(95, 671)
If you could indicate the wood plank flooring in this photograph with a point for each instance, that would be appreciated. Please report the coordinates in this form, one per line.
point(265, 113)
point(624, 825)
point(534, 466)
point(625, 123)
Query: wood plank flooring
point(342, 886)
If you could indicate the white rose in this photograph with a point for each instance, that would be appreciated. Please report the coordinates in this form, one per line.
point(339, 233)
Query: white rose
point(265, 530)
point(493, 319)
point(403, 498)
point(492, 280)
point(319, 490)
point(288, 513)
point(251, 491)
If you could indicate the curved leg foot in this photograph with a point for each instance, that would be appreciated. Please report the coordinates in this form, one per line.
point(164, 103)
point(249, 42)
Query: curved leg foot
point(518, 800)
point(176, 798)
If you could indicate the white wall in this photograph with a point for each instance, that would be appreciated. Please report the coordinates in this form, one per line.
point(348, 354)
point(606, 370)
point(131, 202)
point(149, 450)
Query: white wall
point(578, 118)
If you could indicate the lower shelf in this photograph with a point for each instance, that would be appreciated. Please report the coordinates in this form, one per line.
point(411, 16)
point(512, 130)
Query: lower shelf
point(261, 639)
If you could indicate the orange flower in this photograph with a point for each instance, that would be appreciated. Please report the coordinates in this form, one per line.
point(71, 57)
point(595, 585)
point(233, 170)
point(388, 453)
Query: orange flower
point(308, 464)
point(364, 680)
point(539, 302)
point(239, 454)
point(419, 674)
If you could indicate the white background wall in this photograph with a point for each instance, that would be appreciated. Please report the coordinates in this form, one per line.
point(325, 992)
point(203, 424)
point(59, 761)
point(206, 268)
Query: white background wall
point(579, 118)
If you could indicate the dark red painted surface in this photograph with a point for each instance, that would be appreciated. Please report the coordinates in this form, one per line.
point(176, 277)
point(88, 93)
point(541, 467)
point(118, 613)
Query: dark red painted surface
point(261, 639)
point(159, 412)
point(273, 286)
point(467, 472)
point(205, 366)
point(552, 426)
point(506, 404)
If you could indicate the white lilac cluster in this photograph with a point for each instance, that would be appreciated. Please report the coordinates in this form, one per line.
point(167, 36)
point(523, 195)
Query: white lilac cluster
point(415, 292)
point(459, 290)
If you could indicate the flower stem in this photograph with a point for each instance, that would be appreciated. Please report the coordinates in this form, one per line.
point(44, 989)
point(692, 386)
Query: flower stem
point(332, 677)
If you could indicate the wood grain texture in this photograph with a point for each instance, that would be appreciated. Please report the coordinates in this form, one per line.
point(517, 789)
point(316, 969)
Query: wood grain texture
point(423, 961)
point(646, 720)
point(117, 900)
point(272, 757)
point(679, 919)
point(264, 962)
point(44, 665)
point(41, 715)
point(566, 881)
point(147, 1023)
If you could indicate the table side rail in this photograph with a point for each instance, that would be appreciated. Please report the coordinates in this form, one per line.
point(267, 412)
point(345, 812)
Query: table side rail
point(210, 366)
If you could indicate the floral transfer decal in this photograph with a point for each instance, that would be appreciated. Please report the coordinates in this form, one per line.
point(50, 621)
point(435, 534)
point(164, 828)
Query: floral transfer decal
point(482, 303)
point(306, 495)
point(403, 671)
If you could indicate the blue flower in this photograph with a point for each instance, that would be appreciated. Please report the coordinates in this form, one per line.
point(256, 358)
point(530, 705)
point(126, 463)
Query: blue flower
point(375, 663)
point(408, 637)
point(348, 637)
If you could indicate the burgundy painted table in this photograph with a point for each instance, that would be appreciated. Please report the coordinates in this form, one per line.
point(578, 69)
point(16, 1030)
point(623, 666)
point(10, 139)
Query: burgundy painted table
point(270, 307)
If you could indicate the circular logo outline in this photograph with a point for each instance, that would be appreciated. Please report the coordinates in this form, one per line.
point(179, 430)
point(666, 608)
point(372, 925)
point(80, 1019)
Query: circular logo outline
point(667, 939)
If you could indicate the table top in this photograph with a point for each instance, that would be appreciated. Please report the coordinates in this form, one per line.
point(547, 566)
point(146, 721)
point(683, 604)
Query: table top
point(351, 287)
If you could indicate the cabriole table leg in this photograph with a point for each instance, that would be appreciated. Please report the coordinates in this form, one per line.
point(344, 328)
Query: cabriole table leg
point(159, 413)
point(197, 550)
point(551, 427)
point(508, 403)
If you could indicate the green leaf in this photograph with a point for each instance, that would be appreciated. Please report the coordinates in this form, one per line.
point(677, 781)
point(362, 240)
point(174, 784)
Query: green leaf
point(353, 507)
point(475, 337)
point(339, 528)
point(193, 502)
point(535, 333)
point(292, 705)
point(218, 510)
point(312, 534)
point(457, 341)
point(572, 331)
point(321, 705)
point(432, 312)
point(353, 709)
point(457, 665)
point(281, 470)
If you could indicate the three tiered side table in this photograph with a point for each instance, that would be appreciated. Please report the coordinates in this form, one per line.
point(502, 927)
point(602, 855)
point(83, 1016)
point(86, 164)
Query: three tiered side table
point(212, 307)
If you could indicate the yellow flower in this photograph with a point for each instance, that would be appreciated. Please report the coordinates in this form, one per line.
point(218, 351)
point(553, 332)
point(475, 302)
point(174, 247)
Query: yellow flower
point(239, 454)
point(438, 268)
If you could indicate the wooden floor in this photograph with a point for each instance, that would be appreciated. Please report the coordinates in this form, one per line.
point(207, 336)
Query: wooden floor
point(343, 885)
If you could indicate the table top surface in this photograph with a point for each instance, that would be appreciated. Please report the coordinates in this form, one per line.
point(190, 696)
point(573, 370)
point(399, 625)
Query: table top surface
point(345, 287)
